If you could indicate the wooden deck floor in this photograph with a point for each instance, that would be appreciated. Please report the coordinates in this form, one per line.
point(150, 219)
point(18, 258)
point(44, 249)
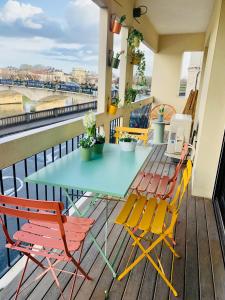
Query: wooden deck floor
point(198, 274)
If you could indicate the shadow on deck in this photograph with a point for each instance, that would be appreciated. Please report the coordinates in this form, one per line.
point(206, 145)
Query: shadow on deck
point(198, 274)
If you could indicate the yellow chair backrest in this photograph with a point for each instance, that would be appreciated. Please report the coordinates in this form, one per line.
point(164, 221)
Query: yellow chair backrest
point(137, 133)
point(182, 187)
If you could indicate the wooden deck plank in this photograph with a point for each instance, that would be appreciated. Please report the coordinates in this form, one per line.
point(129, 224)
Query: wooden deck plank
point(179, 265)
point(191, 266)
point(215, 252)
point(205, 270)
point(105, 281)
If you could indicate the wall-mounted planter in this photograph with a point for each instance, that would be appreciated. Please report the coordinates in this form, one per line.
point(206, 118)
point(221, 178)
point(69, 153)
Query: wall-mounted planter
point(115, 63)
point(116, 26)
point(112, 109)
point(135, 60)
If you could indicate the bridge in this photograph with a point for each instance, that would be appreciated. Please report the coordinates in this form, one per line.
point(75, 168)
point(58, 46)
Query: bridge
point(37, 94)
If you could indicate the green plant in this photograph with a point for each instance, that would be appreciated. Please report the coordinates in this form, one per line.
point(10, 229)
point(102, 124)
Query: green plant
point(117, 56)
point(100, 139)
point(140, 73)
point(122, 19)
point(89, 123)
point(115, 101)
point(134, 38)
point(161, 110)
point(87, 142)
point(127, 139)
point(130, 95)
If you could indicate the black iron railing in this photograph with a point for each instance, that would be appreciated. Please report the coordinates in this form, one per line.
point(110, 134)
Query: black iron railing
point(46, 114)
point(114, 123)
point(12, 183)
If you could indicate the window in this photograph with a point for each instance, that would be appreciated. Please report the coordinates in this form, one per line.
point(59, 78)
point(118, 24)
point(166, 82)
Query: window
point(190, 72)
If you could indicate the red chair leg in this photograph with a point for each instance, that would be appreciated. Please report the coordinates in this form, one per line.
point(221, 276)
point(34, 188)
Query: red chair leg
point(75, 274)
point(21, 279)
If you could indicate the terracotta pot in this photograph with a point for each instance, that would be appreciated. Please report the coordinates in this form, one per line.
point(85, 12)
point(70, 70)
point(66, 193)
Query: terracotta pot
point(135, 60)
point(116, 27)
point(85, 153)
point(115, 63)
point(112, 109)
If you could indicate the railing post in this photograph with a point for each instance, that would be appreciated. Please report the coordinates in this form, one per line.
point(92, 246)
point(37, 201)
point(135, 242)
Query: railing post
point(105, 72)
point(126, 68)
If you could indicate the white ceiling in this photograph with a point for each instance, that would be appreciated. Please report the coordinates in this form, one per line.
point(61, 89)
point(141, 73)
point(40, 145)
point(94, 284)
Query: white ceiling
point(178, 16)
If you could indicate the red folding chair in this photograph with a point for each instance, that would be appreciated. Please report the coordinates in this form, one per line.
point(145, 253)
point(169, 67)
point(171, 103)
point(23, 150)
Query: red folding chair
point(157, 185)
point(48, 234)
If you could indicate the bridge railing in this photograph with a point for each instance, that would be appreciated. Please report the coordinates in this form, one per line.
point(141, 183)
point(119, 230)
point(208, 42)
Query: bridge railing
point(46, 114)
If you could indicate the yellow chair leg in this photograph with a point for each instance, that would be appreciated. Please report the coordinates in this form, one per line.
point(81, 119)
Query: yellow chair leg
point(171, 248)
point(145, 254)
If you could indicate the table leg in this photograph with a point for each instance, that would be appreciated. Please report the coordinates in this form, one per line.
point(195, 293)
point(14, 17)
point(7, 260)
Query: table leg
point(104, 255)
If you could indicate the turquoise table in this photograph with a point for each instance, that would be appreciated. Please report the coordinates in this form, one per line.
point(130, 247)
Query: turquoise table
point(110, 174)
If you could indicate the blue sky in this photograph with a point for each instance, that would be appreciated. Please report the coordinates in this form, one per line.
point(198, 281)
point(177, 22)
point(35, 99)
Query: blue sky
point(62, 34)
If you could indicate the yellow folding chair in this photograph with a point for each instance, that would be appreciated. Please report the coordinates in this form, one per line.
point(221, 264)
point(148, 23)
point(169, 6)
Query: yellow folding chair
point(149, 217)
point(137, 133)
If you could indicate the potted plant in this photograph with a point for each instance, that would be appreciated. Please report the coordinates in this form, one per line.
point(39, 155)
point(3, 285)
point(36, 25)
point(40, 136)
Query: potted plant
point(99, 144)
point(161, 113)
point(117, 24)
point(114, 106)
point(86, 145)
point(127, 143)
point(137, 56)
point(134, 38)
point(130, 95)
point(115, 60)
point(140, 73)
point(89, 123)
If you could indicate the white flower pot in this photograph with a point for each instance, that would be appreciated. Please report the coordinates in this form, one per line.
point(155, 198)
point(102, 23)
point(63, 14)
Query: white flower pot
point(127, 146)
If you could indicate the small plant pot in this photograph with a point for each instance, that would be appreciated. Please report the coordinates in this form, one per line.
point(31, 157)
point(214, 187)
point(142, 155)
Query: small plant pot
point(98, 148)
point(135, 60)
point(85, 154)
point(116, 27)
point(112, 109)
point(160, 117)
point(127, 146)
point(115, 63)
point(136, 42)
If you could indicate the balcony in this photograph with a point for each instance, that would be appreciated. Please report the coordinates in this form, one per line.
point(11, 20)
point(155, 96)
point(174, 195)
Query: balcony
point(199, 234)
point(196, 275)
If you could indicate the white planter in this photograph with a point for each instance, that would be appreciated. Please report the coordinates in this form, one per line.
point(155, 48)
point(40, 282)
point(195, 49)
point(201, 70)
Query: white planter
point(127, 146)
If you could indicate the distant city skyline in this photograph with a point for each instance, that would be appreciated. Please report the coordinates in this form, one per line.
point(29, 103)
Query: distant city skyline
point(63, 35)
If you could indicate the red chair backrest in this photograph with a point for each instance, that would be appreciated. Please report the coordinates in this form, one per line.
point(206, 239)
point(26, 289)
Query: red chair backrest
point(47, 211)
point(173, 179)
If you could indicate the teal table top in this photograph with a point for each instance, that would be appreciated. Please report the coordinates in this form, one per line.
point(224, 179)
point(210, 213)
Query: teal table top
point(109, 174)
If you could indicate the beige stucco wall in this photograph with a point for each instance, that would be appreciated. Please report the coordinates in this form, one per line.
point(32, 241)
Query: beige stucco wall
point(211, 115)
point(167, 66)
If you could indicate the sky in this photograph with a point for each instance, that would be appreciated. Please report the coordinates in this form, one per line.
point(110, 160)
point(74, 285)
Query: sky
point(61, 34)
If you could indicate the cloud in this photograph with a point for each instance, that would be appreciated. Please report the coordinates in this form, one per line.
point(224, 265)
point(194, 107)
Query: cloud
point(29, 35)
point(14, 11)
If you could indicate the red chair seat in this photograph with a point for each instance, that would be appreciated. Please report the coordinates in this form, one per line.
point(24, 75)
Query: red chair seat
point(162, 187)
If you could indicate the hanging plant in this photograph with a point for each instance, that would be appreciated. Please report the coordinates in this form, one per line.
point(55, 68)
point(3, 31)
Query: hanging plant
point(130, 95)
point(140, 73)
point(137, 56)
point(115, 60)
point(134, 38)
point(117, 24)
point(114, 106)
